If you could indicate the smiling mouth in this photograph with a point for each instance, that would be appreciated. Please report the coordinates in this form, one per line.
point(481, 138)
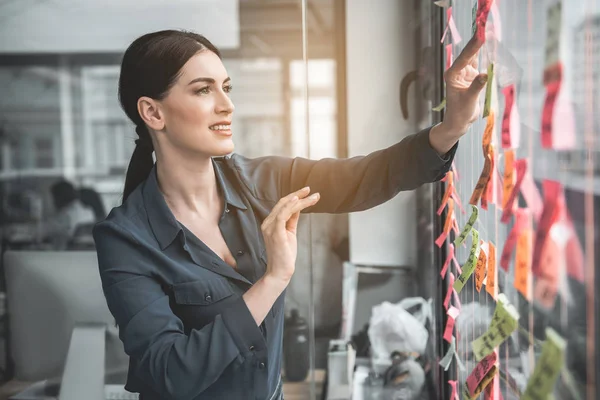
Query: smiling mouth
point(222, 129)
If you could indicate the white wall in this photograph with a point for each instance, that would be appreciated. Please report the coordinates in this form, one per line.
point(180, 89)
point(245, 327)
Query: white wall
point(67, 26)
point(379, 52)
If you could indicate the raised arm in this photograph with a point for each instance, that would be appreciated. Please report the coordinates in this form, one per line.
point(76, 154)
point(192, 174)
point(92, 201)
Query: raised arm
point(352, 184)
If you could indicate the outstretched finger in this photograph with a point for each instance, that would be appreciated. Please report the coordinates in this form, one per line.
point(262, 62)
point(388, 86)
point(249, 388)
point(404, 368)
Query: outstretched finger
point(466, 56)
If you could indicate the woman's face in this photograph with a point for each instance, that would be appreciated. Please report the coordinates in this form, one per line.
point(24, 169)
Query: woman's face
point(197, 111)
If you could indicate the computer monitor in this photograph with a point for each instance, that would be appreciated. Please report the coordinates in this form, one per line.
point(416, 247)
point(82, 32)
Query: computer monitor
point(48, 293)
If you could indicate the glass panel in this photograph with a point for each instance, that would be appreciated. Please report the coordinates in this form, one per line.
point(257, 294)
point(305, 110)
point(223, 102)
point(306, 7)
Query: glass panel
point(570, 309)
point(60, 118)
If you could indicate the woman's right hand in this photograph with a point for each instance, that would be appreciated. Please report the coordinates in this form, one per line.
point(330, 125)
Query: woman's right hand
point(279, 232)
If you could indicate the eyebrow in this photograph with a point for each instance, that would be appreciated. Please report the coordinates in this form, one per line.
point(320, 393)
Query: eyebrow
point(208, 80)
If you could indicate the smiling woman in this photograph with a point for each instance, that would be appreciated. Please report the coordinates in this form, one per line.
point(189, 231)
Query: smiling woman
point(195, 262)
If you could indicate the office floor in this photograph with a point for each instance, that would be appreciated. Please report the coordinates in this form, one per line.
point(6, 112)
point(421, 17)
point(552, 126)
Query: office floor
point(301, 390)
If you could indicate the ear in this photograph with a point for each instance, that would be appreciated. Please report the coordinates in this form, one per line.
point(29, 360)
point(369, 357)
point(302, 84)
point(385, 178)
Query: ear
point(149, 110)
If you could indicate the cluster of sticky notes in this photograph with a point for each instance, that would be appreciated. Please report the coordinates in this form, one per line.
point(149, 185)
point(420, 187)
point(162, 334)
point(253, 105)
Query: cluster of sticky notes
point(547, 367)
point(481, 376)
point(447, 201)
point(504, 322)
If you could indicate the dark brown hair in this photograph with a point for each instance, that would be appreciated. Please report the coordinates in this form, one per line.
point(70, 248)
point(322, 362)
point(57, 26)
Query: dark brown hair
point(150, 67)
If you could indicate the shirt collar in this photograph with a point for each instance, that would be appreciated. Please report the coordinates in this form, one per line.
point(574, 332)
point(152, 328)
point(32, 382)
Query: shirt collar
point(163, 223)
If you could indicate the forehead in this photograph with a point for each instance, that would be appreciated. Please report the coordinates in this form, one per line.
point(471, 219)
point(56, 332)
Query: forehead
point(204, 64)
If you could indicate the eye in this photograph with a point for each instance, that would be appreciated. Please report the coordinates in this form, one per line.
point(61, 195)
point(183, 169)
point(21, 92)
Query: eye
point(228, 88)
point(204, 90)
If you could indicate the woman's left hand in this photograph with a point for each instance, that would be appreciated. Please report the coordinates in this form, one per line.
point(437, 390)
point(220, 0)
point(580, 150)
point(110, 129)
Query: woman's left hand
point(464, 83)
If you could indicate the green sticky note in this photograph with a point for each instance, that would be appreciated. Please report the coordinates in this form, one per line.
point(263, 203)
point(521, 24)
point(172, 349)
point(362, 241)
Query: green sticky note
point(440, 106)
point(504, 322)
point(547, 367)
point(465, 232)
point(469, 267)
point(488, 90)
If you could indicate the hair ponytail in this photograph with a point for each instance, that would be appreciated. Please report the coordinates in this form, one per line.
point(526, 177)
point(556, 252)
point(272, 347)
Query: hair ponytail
point(141, 162)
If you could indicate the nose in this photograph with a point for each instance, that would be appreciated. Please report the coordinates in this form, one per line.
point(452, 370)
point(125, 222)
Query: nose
point(224, 104)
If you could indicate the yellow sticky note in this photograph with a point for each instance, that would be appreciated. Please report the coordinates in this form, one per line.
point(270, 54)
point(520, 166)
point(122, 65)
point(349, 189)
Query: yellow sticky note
point(547, 367)
point(465, 232)
point(504, 322)
point(488, 90)
point(469, 267)
point(440, 106)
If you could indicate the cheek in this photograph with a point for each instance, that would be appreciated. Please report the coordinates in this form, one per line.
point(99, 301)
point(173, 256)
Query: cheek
point(189, 110)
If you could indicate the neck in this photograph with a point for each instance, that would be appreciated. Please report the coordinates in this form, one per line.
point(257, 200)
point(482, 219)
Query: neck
point(189, 185)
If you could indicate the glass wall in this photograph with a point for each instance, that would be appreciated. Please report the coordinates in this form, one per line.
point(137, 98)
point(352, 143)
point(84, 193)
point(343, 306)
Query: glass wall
point(545, 245)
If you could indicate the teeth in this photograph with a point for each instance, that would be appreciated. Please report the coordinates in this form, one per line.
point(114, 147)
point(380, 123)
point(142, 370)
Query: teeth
point(220, 127)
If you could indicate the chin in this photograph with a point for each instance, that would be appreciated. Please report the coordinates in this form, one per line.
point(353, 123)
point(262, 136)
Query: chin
point(224, 149)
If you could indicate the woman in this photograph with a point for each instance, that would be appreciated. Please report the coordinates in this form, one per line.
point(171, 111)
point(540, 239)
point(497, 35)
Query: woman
point(195, 262)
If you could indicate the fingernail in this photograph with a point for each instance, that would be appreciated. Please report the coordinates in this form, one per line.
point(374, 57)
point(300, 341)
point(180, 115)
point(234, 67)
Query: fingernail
point(306, 187)
point(315, 196)
point(483, 79)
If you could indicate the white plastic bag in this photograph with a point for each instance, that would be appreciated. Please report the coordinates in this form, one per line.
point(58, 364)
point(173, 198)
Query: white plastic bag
point(392, 328)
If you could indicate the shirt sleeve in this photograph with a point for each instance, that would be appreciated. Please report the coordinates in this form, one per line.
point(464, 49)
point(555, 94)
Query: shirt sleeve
point(173, 364)
point(351, 184)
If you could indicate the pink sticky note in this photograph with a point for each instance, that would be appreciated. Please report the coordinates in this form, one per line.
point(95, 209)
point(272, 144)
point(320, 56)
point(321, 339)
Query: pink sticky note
point(552, 81)
point(448, 260)
point(532, 196)
point(563, 122)
point(449, 57)
point(552, 195)
point(444, 35)
point(455, 171)
point(511, 121)
point(450, 292)
point(521, 167)
point(456, 39)
point(453, 385)
point(452, 315)
point(456, 199)
point(522, 217)
point(479, 375)
point(574, 253)
point(483, 10)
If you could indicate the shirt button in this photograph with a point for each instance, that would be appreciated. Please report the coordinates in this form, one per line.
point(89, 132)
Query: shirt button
point(240, 252)
point(208, 297)
point(261, 365)
point(251, 348)
point(227, 210)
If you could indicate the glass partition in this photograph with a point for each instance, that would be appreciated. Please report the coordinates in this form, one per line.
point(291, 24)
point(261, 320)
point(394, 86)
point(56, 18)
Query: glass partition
point(550, 280)
point(60, 119)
